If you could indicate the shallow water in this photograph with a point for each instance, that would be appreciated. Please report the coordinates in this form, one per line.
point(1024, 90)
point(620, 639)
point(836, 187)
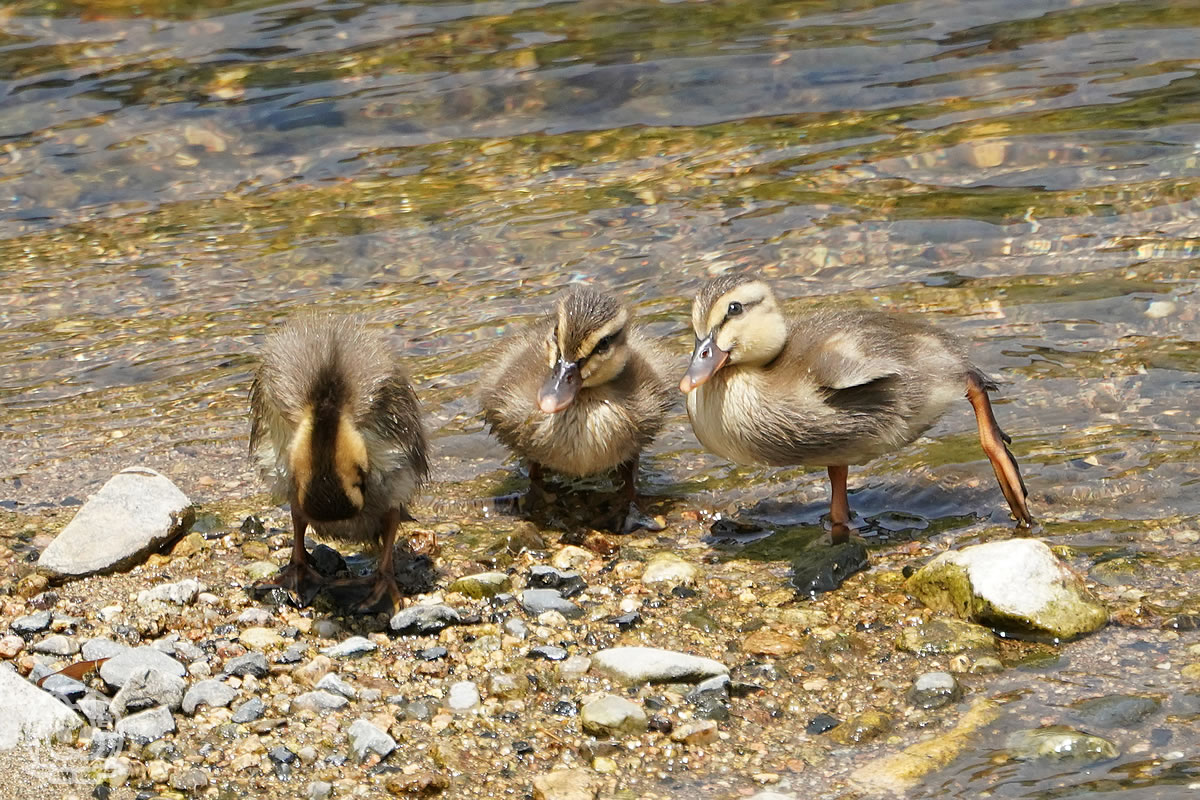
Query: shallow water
point(175, 179)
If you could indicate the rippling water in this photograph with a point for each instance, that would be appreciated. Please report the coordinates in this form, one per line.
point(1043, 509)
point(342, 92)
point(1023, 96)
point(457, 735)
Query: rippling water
point(177, 176)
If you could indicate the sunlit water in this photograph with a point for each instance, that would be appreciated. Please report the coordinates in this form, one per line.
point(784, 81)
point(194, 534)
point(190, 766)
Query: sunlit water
point(176, 179)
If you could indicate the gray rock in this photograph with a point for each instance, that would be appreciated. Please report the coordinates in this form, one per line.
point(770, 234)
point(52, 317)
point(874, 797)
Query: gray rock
point(102, 648)
point(31, 623)
point(249, 711)
point(147, 726)
point(120, 667)
point(515, 626)
point(191, 780)
point(57, 645)
point(1110, 711)
point(567, 583)
point(67, 690)
point(249, 664)
point(423, 620)
point(1059, 744)
point(106, 743)
point(135, 513)
point(653, 665)
point(365, 739)
point(211, 693)
point(182, 593)
point(481, 584)
point(612, 716)
point(29, 715)
point(333, 683)
point(319, 701)
point(463, 696)
point(1015, 585)
point(94, 707)
point(351, 648)
point(320, 790)
point(147, 688)
point(539, 601)
point(934, 690)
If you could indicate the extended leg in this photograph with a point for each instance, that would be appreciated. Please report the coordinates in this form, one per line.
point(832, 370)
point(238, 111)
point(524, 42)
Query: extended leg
point(298, 577)
point(628, 472)
point(995, 445)
point(383, 583)
point(839, 503)
point(535, 477)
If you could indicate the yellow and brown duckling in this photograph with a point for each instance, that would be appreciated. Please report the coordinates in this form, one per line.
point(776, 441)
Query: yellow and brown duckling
point(830, 388)
point(337, 430)
point(579, 392)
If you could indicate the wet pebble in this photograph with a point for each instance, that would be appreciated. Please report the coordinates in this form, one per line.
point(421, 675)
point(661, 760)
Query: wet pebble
point(1060, 744)
point(332, 682)
point(106, 743)
point(942, 636)
point(57, 645)
point(566, 583)
point(181, 593)
point(31, 623)
point(934, 690)
point(610, 715)
point(366, 739)
point(147, 726)
point(102, 648)
point(351, 648)
point(1116, 710)
point(654, 665)
point(463, 696)
point(516, 627)
point(249, 711)
point(11, 645)
point(66, 689)
point(260, 638)
point(320, 790)
point(566, 784)
point(766, 642)
point(669, 569)
point(539, 601)
point(862, 728)
point(481, 584)
point(211, 693)
point(549, 652)
point(433, 653)
point(696, 734)
point(821, 724)
point(319, 701)
point(94, 707)
point(424, 620)
point(190, 780)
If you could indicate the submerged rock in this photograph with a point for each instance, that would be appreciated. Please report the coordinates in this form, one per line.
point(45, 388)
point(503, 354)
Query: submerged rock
point(668, 568)
point(941, 637)
point(934, 690)
point(566, 784)
point(132, 515)
point(1060, 744)
point(862, 728)
point(824, 569)
point(482, 584)
point(654, 665)
point(1116, 710)
point(29, 715)
point(1017, 585)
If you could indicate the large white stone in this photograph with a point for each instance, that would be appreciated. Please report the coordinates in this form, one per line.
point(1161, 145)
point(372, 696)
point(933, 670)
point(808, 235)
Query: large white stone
point(135, 513)
point(29, 715)
point(654, 665)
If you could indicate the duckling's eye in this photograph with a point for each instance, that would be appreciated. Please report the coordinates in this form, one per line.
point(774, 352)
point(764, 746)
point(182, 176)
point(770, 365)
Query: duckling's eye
point(734, 309)
point(605, 343)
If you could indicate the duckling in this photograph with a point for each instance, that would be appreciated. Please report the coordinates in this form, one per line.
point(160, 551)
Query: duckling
point(831, 388)
point(580, 392)
point(336, 428)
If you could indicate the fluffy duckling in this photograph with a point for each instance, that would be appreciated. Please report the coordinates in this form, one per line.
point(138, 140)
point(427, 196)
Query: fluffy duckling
point(831, 388)
point(337, 430)
point(580, 392)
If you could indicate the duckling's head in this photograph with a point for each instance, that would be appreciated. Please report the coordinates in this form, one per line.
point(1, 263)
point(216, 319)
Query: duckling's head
point(328, 455)
point(587, 346)
point(737, 321)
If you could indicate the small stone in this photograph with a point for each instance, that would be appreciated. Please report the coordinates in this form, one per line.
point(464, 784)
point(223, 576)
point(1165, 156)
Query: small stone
point(516, 627)
point(249, 664)
point(94, 707)
point(424, 620)
point(566, 784)
point(942, 636)
point(987, 665)
point(351, 648)
point(1114, 710)
point(766, 642)
point(319, 701)
point(134, 513)
point(182, 593)
point(147, 688)
point(548, 652)
point(934, 690)
point(423, 783)
point(120, 667)
point(260, 638)
point(862, 728)
point(211, 693)
point(433, 653)
point(700, 733)
point(320, 790)
point(538, 601)
point(1060, 744)
point(102, 648)
point(249, 711)
point(825, 569)
point(821, 723)
point(574, 668)
point(147, 726)
point(11, 645)
point(365, 739)
point(654, 665)
point(610, 715)
point(463, 696)
point(190, 780)
point(312, 672)
point(481, 585)
point(31, 623)
point(626, 622)
point(566, 583)
point(106, 744)
point(334, 683)
point(670, 569)
point(57, 645)
point(571, 557)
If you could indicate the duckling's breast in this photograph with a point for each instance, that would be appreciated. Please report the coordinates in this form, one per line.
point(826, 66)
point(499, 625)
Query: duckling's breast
point(583, 439)
point(723, 412)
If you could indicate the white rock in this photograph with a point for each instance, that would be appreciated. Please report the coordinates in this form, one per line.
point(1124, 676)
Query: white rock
point(365, 739)
point(354, 646)
point(182, 593)
point(117, 669)
point(147, 726)
point(670, 569)
point(463, 696)
point(29, 715)
point(651, 664)
point(135, 513)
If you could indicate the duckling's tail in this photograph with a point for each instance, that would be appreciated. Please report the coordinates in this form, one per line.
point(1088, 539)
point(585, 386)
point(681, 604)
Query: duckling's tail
point(995, 444)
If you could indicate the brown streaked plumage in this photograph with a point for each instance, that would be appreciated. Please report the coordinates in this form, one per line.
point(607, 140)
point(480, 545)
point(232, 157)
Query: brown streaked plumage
point(581, 391)
point(337, 430)
point(831, 388)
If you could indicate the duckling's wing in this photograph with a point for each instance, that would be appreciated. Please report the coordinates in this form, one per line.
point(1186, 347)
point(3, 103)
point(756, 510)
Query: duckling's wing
point(843, 361)
point(395, 419)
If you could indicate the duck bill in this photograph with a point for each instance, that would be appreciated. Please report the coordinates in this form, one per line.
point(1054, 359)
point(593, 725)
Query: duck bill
point(707, 358)
point(560, 388)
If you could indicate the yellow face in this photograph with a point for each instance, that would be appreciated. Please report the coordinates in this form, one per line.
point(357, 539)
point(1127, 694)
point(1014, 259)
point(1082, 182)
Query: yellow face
point(745, 322)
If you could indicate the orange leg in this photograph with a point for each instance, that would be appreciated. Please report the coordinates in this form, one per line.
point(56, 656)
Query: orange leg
point(995, 444)
point(839, 503)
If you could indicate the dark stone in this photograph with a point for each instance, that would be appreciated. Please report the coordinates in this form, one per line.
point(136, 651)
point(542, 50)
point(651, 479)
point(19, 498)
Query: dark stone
point(711, 706)
point(250, 664)
point(821, 723)
point(548, 652)
point(293, 655)
point(1117, 710)
point(686, 592)
point(327, 561)
point(433, 653)
point(249, 711)
point(281, 755)
point(522, 747)
point(253, 526)
point(1183, 622)
point(106, 743)
point(660, 724)
point(44, 601)
point(824, 569)
point(565, 708)
point(568, 584)
point(626, 622)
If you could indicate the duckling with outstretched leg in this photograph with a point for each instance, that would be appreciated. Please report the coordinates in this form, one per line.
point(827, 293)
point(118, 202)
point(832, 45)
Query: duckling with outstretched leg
point(830, 388)
point(337, 429)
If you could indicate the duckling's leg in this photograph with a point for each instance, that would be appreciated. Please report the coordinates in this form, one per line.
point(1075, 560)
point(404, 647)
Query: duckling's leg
point(839, 503)
point(995, 444)
point(383, 583)
point(628, 472)
point(299, 577)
